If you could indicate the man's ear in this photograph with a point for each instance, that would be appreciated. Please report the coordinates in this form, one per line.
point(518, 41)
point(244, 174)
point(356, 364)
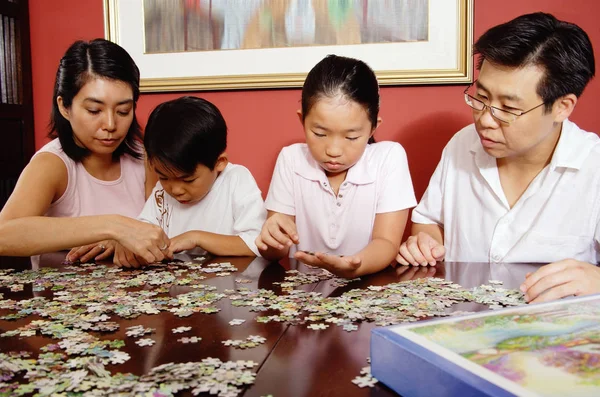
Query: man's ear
point(222, 162)
point(563, 107)
point(61, 108)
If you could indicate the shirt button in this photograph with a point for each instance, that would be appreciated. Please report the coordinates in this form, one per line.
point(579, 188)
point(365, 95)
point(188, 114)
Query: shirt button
point(340, 196)
point(496, 257)
point(339, 204)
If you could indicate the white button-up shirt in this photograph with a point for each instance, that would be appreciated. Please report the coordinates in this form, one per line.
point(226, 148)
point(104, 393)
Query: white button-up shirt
point(343, 225)
point(557, 217)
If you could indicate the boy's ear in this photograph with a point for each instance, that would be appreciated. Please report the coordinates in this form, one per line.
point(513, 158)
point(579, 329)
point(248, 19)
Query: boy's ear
point(61, 107)
point(222, 162)
point(300, 116)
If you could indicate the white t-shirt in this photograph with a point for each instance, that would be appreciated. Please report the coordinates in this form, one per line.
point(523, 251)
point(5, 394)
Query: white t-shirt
point(343, 225)
point(557, 217)
point(233, 207)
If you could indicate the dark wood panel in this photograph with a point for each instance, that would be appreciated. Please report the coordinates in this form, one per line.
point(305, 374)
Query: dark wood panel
point(12, 156)
point(10, 9)
point(16, 120)
point(10, 111)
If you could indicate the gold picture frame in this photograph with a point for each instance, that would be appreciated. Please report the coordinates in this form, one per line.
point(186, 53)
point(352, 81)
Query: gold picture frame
point(444, 58)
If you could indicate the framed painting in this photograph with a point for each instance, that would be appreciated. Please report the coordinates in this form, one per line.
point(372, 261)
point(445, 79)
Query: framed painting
point(191, 45)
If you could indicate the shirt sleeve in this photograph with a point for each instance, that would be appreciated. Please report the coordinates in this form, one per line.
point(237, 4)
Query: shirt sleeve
point(430, 209)
point(397, 191)
point(281, 190)
point(248, 210)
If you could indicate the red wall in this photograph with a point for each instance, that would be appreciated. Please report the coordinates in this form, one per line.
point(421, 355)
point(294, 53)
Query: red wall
point(422, 118)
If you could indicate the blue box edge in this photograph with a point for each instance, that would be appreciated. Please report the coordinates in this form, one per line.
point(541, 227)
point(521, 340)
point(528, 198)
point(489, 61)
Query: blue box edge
point(412, 361)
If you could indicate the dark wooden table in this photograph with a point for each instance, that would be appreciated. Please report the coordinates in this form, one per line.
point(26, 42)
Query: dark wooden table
point(294, 361)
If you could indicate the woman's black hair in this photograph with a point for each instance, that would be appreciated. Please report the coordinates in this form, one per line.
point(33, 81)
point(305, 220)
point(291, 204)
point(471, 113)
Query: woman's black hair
point(84, 61)
point(336, 75)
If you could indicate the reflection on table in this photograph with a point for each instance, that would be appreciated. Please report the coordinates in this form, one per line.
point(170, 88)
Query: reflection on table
point(294, 360)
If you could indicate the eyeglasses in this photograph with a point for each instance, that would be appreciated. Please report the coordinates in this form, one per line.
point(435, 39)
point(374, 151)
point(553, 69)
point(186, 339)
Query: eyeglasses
point(499, 114)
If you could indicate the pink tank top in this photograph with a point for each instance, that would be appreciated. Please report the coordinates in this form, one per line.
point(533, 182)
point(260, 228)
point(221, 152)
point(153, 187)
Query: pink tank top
point(86, 195)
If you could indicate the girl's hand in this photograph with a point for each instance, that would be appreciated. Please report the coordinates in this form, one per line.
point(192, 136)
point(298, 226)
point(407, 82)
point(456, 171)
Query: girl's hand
point(183, 242)
point(420, 250)
point(147, 242)
point(341, 266)
point(278, 232)
point(97, 251)
point(406, 273)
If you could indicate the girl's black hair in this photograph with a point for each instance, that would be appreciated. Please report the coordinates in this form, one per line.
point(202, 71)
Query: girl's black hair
point(337, 75)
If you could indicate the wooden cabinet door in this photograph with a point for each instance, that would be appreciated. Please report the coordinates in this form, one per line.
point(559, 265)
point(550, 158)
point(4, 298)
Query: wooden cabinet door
point(16, 98)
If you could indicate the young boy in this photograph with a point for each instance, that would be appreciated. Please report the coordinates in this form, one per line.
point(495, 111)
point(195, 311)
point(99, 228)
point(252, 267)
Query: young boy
point(201, 200)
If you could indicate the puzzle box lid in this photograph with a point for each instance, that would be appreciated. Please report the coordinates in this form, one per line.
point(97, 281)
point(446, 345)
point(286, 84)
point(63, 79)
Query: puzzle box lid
point(548, 349)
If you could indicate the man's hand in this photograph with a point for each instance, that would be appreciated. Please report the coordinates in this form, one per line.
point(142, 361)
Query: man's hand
point(559, 279)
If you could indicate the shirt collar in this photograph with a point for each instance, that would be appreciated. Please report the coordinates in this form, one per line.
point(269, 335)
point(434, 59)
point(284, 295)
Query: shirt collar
point(572, 148)
point(358, 174)
point(570, 152)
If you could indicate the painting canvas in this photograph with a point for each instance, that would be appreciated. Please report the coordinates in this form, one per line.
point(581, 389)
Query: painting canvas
point(221, 44)
point(550, 350)
point(201, 25)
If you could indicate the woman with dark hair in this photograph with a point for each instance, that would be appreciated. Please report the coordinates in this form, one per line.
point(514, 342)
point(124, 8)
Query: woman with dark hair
point(86, 186)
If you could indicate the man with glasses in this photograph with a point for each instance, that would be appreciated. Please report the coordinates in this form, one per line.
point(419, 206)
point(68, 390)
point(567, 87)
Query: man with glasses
point(521, 184)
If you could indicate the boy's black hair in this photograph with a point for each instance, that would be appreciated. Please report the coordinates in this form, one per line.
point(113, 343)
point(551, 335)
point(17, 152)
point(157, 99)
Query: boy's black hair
point(185, 132)
point(84, 61)
point(562, 49)
point(352, 78)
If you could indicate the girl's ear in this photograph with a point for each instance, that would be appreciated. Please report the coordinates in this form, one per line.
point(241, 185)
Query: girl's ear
point(222, 162)
point(376, 126)
point(61, 107)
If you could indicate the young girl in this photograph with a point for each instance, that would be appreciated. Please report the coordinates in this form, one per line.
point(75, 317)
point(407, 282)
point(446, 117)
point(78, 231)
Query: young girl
point(93, 167)
point(342, 199)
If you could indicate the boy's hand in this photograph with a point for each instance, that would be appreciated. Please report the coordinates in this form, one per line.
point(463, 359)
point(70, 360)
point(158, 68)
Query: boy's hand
point(278, 232)
point(420, 250)
point(125, 258)
point(183, 242)
point(98, 251)
point(341, 266)
point(559, 279)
